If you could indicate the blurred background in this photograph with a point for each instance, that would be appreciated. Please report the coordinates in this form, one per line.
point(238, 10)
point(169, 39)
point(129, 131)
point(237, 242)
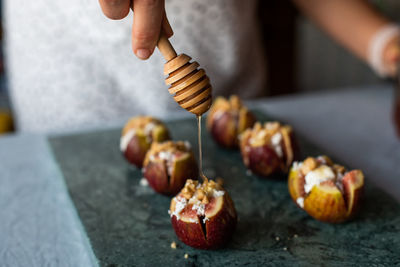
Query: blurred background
point(297, 51)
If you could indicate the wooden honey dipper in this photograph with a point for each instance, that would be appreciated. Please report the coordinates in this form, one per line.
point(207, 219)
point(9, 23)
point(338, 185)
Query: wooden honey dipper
point(190, 86)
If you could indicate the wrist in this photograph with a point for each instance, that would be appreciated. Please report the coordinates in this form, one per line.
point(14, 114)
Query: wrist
point(384, 50)
point(391, 56)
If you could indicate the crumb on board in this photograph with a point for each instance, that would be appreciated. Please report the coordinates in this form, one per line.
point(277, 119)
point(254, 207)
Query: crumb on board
point(277, 238)
point(285, 248)
point(173, 245)
point(143, 182)
point(295, 236)
point(186, 256)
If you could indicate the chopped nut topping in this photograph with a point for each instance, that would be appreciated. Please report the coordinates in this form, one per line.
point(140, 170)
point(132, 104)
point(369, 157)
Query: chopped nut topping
point(272, 126)
point(166, 150)
point(320, 170)
point(222, 105)
point(325, 160)
point(275, 135)
point(339, 168)
point(235, 102)
point(200, 194)
point(196, 194)
point(308, 165)
point(140, 123)
point(257, 127)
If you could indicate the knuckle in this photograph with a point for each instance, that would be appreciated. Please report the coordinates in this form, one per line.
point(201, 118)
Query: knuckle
point(150, 3)
point(145, 37)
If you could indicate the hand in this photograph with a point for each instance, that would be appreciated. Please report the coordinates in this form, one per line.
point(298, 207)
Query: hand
point(149, 17)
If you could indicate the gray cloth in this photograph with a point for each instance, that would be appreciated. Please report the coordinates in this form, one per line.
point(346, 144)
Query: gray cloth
point(39, 225)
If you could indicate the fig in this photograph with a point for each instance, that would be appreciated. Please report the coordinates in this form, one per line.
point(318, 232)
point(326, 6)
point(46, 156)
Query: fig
point(227, 119)
point(269, 148)
point(203, 215)
point(168, 165)
point(138, 135)
point(326, 191)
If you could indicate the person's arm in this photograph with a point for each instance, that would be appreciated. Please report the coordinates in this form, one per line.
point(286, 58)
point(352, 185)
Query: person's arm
point(353, 23)
point(147, 22)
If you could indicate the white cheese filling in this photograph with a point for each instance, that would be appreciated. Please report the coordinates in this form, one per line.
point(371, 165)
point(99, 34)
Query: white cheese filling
point(297, 165)
point(276, 143)
point(180, 204)
point(300, 202)
point(319, 175)
point(315, 177)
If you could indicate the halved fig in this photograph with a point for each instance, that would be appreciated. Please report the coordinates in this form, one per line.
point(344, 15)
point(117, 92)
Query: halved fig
point(227, 119)
point(326, 191)
point(168, 165)
point(268, 148)
point(203, 215)
point(138, 135)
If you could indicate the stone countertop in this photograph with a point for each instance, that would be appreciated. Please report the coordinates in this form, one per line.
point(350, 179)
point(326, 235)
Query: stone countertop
point(353, 126)
point(128, 224)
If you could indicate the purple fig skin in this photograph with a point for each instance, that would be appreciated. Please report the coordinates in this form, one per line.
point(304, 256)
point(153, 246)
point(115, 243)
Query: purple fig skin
point(156, 174)
point(353, 196)
point(219, 228)
point(260, 156)
point(142, 139)
point(263, 160)
point(227, 119)
point(224, 131)
point(182, 170)
point(136, 151)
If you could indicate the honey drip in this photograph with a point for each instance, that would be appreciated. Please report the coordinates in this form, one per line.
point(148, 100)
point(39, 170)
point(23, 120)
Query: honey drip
point(201, 174)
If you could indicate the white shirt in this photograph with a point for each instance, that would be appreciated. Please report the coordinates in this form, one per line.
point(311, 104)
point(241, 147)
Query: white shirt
point(69, 66)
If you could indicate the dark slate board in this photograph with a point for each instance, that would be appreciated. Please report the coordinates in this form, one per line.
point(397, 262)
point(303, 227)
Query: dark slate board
point(128, 224)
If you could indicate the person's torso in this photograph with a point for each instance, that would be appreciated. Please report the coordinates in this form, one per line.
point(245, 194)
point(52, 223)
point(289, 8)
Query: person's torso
point(68, 66)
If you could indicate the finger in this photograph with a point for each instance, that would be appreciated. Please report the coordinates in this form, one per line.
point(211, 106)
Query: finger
point(146, 28)
point(115, 9)
point(166, 26)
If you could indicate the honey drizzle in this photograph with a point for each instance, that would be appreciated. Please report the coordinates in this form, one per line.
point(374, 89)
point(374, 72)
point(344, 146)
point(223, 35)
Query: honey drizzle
point(201, 174)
